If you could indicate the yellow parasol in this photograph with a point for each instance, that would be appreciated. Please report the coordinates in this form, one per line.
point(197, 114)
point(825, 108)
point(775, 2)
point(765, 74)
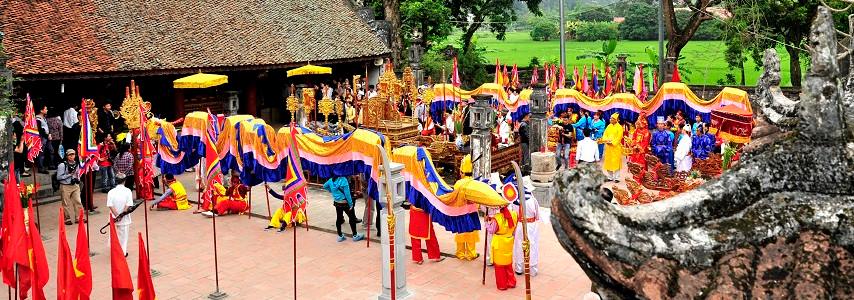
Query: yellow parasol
point(200, 81)
point(309, 69)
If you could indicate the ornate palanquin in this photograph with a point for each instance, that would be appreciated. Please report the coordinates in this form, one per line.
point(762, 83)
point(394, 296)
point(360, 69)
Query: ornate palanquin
point(381, 112)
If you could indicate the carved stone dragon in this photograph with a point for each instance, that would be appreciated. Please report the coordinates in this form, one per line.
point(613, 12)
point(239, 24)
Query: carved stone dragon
point(778, 225)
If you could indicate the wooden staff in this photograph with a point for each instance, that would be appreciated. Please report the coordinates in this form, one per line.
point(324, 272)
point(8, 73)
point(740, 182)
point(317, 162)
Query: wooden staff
point(267, 194)
point(526, 247)
point(216, 294)
point(34, 196)
point(369, 217)
point(250, 202)
point(485, 245)
point(199, 193)
point(391, 222)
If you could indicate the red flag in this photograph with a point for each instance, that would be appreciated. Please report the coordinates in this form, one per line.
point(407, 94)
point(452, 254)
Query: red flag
point(37, 274)
point(13, 231)
point(498, 79)
point(514, 82)
point(676, 77)
point(546, 73)
point(576, 79)
point(534, 77)
point(82, 266)
point(455, 75)
point(31, 132)
point(505, 77)
point(122, 284)
point(585, 85)
point(562, 78)
point(608, 84)
point(66, 289)
point(144, 284)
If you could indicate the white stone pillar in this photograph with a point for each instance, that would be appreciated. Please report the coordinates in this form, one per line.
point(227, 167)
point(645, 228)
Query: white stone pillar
point(397, 192)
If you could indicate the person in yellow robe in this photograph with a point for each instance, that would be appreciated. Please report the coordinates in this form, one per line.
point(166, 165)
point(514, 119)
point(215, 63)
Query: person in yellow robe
point(175, 196)
point(214, 193)
point(466, 241)
point(502, 248)
point(612, 138)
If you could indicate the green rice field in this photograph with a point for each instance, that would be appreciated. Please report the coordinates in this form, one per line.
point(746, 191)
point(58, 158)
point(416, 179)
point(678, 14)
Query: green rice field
point(704, 59)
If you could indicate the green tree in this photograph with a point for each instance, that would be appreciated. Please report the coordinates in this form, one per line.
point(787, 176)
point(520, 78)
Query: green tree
point(767, 24)
point(637, 25)
point(679, 35)
point(470, 15)
point(543, 29)
point(430, 17)
point(593, 14)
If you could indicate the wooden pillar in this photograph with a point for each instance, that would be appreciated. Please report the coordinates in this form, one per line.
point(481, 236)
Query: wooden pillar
point(178, 97)
point(251, 97)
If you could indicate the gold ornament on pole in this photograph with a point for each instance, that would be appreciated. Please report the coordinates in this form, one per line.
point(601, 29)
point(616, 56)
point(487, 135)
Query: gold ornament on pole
point(292, 104)
point(326, 107)
point(130, 106)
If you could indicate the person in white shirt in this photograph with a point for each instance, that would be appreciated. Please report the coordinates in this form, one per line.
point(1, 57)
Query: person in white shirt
point(504, 128)
point(119, 200)
point(587, 149)
point(449, 122)
point(682, 156)
point(371, 91)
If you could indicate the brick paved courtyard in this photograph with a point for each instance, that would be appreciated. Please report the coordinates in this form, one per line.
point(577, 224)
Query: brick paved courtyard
point(258, 264)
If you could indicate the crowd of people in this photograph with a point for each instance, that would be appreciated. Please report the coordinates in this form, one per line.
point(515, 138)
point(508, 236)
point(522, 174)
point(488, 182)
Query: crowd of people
point(585, 138)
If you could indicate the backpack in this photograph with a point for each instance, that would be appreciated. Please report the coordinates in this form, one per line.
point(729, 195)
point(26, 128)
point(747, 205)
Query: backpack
point(54, 182)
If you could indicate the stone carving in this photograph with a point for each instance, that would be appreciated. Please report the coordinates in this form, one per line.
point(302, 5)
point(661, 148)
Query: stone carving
point(775, 106)
point(778, 225)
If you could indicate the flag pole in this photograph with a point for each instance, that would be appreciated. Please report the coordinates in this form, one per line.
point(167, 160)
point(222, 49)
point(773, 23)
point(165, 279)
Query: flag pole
point(267, 194)
point(35, 197)
point(199, 190)
point(294, 220)
point(89, 193)
point(216, 294)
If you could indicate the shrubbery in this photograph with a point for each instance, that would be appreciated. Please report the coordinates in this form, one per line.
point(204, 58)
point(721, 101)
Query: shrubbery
point(596, 31)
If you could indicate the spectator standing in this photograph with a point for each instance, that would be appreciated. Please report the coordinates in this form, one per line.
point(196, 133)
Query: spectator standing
point(44, 157)
point(105, 121)
point(54, 125)
point(523, 141)
point(70, 128)
point(69, 185)
point(105, 163)
point(124, 164)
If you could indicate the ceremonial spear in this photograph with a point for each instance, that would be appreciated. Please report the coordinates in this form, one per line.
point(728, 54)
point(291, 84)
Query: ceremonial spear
point(390, 219)
point(526, 247)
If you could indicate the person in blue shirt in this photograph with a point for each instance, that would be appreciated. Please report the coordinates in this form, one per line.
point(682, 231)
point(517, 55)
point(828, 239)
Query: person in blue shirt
point(703, 143)
point(343, 202)
point(662, 143)
point(598, 128)
point(582, 123)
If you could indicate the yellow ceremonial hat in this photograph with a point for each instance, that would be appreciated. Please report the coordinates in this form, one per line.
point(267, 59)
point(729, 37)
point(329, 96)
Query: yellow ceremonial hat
point(615, 116)
point(465, 165)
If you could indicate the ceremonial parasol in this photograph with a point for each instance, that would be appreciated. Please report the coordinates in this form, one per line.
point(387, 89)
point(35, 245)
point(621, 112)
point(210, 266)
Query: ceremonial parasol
point(200, 81)
point(309, 69)
point(732, 123)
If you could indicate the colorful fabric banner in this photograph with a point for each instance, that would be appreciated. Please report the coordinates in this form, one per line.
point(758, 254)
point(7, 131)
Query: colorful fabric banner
point(87, 150)
point(31, 132)
point(672, 96)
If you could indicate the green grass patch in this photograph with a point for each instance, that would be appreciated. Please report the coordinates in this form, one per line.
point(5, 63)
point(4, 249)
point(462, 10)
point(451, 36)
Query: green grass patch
point(705, 59)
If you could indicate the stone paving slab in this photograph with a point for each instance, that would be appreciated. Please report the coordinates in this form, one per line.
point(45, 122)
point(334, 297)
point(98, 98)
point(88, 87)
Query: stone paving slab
point(258, 264)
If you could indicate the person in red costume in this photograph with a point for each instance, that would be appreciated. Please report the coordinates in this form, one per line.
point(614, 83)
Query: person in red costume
point(236, 203)
point(421, 229)
point(502, 248)
point(640, 141)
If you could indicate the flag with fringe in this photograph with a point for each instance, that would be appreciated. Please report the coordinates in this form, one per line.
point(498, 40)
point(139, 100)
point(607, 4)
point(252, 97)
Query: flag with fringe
point(31, 132)
point(87, 148)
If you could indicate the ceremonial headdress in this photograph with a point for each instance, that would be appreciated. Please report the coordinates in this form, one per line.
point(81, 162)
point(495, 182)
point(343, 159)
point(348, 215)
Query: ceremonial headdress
point(659, 119)
point(615, 116)
point(465, 165)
